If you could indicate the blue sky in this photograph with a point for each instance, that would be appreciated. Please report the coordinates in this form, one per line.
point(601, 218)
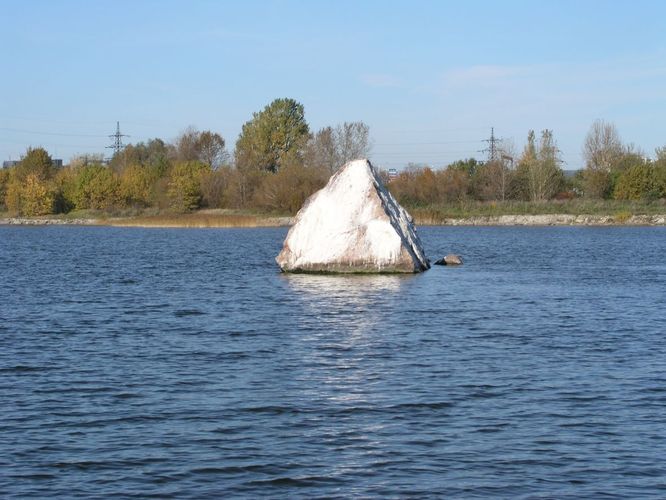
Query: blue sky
point(429, 78)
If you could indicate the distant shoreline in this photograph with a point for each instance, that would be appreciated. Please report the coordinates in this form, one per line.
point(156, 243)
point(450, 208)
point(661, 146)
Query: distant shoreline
point(197, 220)
point(549, 220)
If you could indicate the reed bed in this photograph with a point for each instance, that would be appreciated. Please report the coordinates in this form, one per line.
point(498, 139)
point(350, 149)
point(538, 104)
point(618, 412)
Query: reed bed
point(200, 220)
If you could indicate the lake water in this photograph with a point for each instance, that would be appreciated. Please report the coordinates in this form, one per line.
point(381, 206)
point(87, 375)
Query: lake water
point(181, 363)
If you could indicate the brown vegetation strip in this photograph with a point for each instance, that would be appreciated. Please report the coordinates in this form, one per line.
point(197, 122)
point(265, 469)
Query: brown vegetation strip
point(200, 221)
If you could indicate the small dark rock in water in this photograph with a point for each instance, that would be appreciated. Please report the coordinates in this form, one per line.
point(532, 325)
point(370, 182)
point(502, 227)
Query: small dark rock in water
point(450, 260)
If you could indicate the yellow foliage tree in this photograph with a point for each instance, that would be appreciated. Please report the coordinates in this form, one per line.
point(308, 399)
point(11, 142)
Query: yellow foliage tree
point(137, 184)
point(13, 196)
point(287, 190)
point(33, 197)
point(4, 184)
point(95, 187)
point(184, 190)
point(65, 186)
point(38, 196)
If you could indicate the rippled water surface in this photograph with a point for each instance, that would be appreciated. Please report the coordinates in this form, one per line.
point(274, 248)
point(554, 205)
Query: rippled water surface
point(181, 363)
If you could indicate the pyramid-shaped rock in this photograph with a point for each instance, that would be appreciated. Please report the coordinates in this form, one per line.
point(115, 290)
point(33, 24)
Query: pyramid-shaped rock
point(353, 225)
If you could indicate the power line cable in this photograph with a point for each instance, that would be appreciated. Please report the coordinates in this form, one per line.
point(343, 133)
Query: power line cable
point(61, 134)
point(425, 143)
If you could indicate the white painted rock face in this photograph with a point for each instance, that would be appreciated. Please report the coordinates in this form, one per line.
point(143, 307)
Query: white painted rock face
point(353, 225)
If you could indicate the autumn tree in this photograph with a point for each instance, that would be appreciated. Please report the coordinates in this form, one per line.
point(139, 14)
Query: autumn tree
point(4, 182)
point(29, 188)
point(489, 181)
point(455, 184)
point(331, 148)
point(660, 154)
point(322, 150)
point(423, 186)
point(352, 141)
point(153, 153)
point(95, 187)
point(638, 182)
point(458, 179)
point(215, 187)
point(403, 187)
point(211, 149)
point(37, 196)
point(602, 147)
point(287, 190)
point(14, 195)
point(81, 160)
point(549, 177)
point(539, 167)
point(206, 147)
point(660, 168)
point(273, 137)
point(184, 186)
point(418, 185)
point(660, 174)
point(36, 161)
point(602, 150)
point(469, 166)
point(184, 147)
point(65, 187)
point(30, 196)
point(426, 188)
point(526, 164)
point(639, 178)
point(137, 185)
point(242, 185)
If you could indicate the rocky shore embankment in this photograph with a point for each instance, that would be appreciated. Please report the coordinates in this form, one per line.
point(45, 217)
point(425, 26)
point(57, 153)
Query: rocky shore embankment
point(495, 220)
point(47, 221)
point(554, 220)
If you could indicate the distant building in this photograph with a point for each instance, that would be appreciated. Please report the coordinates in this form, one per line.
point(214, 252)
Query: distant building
point(57, 163)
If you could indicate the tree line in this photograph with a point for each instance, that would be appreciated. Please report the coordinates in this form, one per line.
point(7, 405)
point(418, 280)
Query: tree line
point(277, 162)
point(613, 170)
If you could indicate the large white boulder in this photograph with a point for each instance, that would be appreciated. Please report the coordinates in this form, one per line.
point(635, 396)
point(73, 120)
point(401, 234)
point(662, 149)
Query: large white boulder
point(353, 225)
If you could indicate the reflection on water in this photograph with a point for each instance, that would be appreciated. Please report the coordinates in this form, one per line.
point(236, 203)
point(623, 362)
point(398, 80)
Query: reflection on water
point(347, 315)
point(355, 301)
point(348, 329)
point(345, 289)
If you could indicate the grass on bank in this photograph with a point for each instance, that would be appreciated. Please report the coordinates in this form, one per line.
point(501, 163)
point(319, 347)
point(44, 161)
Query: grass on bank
point(621, 211)
point(616, 208)
point(200, 219)
point(159, 218)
